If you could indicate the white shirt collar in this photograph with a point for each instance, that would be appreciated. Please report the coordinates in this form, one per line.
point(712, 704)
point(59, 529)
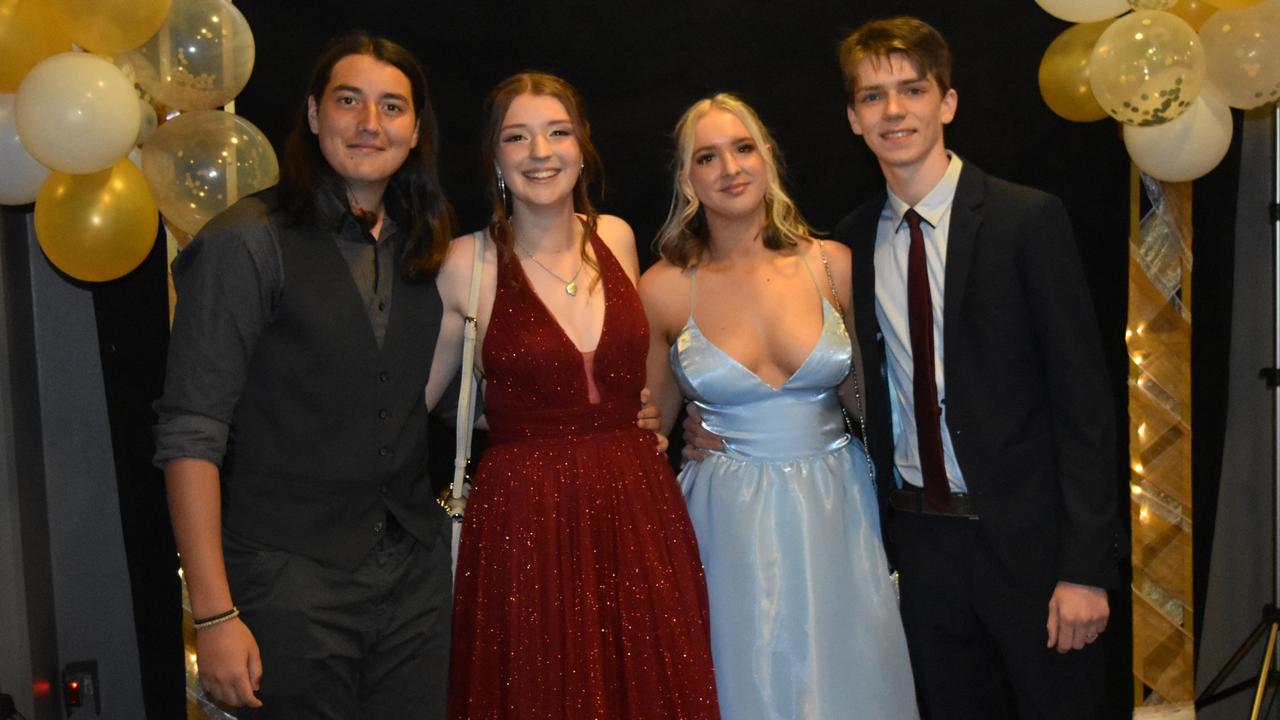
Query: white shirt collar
point(934, 206)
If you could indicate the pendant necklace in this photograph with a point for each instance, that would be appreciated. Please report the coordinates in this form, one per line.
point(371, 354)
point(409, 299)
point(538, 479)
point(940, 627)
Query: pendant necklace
point(570, 285)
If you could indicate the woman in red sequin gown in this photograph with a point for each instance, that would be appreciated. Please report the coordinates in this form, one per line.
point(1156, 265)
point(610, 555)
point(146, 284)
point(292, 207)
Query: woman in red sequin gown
point(579, 590)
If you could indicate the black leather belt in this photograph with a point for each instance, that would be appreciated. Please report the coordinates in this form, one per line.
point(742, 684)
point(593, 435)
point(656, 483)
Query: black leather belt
point(911, 499)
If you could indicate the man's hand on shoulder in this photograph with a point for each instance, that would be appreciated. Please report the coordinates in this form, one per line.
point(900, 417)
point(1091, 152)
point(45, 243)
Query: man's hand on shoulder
point(1077, 615)
point(230, 663)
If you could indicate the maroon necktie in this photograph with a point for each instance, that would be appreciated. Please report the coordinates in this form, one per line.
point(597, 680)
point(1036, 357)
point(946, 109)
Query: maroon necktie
point(937, 491)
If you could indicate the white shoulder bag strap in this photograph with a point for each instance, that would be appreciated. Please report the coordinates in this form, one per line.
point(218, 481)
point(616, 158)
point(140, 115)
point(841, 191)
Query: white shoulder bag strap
point(466, 399)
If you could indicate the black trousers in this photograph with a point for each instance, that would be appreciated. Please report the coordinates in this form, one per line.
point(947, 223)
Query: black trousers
point(371, 643)
point(977, 638)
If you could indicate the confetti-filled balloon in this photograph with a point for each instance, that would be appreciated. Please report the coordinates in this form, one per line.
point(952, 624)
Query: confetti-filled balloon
point(199, 60)
point(1243, 49)
point(1147, 68)
point(199, 163)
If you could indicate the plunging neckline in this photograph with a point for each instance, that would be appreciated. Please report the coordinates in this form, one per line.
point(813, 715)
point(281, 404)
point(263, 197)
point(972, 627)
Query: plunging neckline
point(604, 297)
point(692, 325)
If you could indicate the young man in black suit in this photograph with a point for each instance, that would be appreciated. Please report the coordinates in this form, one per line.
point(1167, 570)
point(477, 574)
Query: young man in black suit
point(988, 412)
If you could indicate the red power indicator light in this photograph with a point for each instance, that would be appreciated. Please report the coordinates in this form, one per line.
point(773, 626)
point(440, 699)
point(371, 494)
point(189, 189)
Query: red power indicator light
point(73, 693)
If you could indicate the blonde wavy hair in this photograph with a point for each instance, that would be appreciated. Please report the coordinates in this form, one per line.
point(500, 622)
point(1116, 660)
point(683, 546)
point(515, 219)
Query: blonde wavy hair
point(684, 236)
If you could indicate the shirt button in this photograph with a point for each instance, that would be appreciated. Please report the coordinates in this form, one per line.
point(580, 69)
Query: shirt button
point(383, 489)
point(382, 306)
point(384, 451)
point(384, 413)
point(377, 527)
point(384, 376)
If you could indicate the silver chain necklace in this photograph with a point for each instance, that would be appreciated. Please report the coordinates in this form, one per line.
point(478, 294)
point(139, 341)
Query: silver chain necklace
point(570, 285)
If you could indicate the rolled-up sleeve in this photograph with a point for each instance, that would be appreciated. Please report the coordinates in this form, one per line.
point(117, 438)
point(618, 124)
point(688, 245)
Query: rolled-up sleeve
point(227, 281)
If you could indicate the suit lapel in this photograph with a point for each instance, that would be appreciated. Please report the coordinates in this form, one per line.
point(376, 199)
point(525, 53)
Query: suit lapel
point(966, 218)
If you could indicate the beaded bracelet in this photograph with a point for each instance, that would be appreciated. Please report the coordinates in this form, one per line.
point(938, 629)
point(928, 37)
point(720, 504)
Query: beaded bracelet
point(202, 623)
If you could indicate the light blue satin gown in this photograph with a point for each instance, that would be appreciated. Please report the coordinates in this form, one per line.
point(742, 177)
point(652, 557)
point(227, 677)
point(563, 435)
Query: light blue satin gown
point(804, 620)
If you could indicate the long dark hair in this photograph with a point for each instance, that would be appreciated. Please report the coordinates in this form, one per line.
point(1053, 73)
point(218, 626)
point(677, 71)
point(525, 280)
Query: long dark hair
point(591, 175)
point(415, 185)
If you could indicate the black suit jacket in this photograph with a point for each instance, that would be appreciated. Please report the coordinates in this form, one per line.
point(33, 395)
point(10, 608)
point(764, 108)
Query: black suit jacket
point(1027, 406)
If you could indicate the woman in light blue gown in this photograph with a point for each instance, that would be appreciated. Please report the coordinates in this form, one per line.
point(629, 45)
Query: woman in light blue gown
point(746, 322)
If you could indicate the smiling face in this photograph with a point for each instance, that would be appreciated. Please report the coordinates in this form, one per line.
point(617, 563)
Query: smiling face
point(538, 152)
point(900, 114)
point(727, 169)
point(365, 124)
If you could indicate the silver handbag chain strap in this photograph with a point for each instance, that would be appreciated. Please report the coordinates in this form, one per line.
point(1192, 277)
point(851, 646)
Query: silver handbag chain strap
point(853, 372)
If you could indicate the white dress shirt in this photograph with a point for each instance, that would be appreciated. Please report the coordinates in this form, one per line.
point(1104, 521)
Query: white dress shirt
point(893, 240)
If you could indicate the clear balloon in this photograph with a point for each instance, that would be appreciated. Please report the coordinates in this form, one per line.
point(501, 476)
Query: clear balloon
point(1152, 4)
point(99, 226)
point(1187, 146)
point(1084, 11)
point(77, 113)
point(1064, 73)
point(109, 26)
point(1195, 12)
point(199, 60)
point(22, 174)
point(1147, 68)
point(199, 163)
point(1243, 50)
point(27, 36)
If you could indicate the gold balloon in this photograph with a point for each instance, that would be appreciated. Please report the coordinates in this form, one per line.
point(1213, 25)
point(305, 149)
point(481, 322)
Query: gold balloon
point(1064, 73)
point(1233, 4)
point(1195, 12)
point(96, 227)
point(109, 26)
point(27, 36)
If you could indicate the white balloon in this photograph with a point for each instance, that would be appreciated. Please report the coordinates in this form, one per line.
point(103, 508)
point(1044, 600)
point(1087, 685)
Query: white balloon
point(149, 122)
point(22, 175)
point(1187, 146)
point(1084, 11)
point(77, 113)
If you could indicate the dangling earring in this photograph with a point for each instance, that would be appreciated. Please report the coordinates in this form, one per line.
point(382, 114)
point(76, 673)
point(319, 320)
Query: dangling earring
point(502, 186)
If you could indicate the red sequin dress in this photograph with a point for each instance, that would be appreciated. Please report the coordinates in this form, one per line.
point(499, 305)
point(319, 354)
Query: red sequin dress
point(579, 591)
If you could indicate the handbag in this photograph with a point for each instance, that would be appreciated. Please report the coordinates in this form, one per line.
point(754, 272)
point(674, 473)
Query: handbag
point(456, 501)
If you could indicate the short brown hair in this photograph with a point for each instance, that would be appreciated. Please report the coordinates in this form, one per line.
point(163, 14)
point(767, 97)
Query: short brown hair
point(917, 41)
